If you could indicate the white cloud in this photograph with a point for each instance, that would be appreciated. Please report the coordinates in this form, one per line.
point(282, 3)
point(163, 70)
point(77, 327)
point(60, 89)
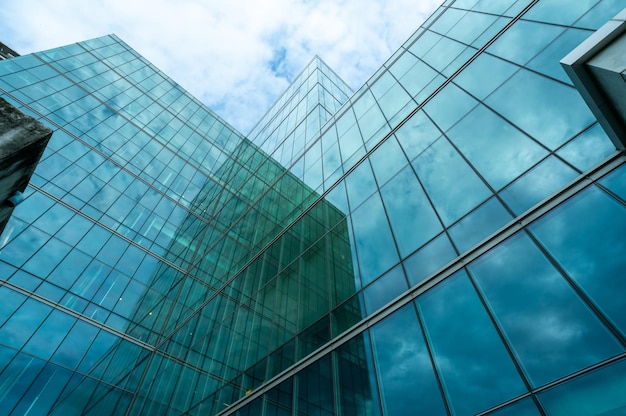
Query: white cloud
point(222, 51)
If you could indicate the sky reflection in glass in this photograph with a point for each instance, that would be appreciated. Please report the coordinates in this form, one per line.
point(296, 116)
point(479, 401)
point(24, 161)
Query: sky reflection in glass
point(475, 368)
point(552, 332)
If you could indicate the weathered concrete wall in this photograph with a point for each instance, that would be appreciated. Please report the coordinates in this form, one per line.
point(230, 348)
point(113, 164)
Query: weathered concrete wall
point(22, 142)
point(597, 67)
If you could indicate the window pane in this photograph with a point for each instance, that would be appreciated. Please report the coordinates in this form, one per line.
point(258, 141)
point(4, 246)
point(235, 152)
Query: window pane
point(600, 392)
point(478, 225)
point(315, 388)
point(429, 259)
point(449, 181)
point(551, 331)
point(616, 181)
point(552, 11)
point(523, 41)
point(355, 378)
point(387, 160)
point(410, 387)
point(360, 184)
point(417, 134)
point(476, 370)
point(23, 323)
point(524, 407)
point(375, 247)
point(547, 61)
point(448, 106)
point(386, 288)
point(412, 217)
point(588, 149)
point(590, 251)
point(484, 75)
point(494, 147)
point(549, 111)
point(536, 185)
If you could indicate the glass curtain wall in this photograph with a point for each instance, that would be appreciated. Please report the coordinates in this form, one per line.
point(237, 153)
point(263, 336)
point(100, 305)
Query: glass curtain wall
point(448, 241)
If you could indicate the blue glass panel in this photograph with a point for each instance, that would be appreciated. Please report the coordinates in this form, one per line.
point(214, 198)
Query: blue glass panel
point(112, 250)
point(13, 227)
point(447, 20)
point(11, 301)
point(315, 388)
point(410, 387)
point(49, 335)
point(600, 14)
point(471, 26)
point(494, 147)
point(54, 218)
point(546, 110)
point(475, 368)
point(600, 392)
point(6, 271)
point(374, 244)
point(16, 378)
point(450, 183)
point(75, 344)
point(484, 75)
point(430, 88)
point(525, 407)
point(443, 53)
point(424, 42)
point(348, 130)
point(25, 280)
point(590, 251)
point(449, 106)
point(384, 289)
point(391, 98)
point(20, 249)
point(616, 181)
point(491, 31)
point(356, 381)
point(93, 241)
point(32, 207)
point(481, 223)
point(416, 134)
point(42, 263)
point(551, 331)
point(43, 391)
point(360, 184)
point(415, 78)
point(387, 160)
point(539, 183)
point(412, 218)
point(23, 323)
point(588, 149)
point(552, 11)
point(547, 61)
point(429, 259)
point(505, 7)
point(523, 41)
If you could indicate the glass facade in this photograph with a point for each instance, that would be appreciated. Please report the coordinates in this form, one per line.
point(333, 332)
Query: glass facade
point(447, 240)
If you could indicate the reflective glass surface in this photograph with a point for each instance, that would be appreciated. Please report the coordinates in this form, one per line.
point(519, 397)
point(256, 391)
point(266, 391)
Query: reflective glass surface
point(476, 369)
point(411, 248)
point(590, 252)
point(550, 329)
point(600, 392)
point(403, 387)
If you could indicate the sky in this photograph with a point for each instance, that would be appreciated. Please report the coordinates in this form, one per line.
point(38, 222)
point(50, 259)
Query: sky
point(236, 56)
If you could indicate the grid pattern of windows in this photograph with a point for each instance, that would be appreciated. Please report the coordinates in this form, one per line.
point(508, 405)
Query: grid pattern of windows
point(447, 240)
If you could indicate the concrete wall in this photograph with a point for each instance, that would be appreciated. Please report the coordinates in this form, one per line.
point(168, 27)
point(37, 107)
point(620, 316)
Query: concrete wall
point(22, 142)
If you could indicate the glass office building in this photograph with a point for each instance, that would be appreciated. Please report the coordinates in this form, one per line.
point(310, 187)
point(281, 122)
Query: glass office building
point(449, 239)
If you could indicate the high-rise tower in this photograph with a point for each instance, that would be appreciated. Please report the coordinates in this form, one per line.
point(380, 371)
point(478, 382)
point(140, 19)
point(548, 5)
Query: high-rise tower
point(447, 240)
